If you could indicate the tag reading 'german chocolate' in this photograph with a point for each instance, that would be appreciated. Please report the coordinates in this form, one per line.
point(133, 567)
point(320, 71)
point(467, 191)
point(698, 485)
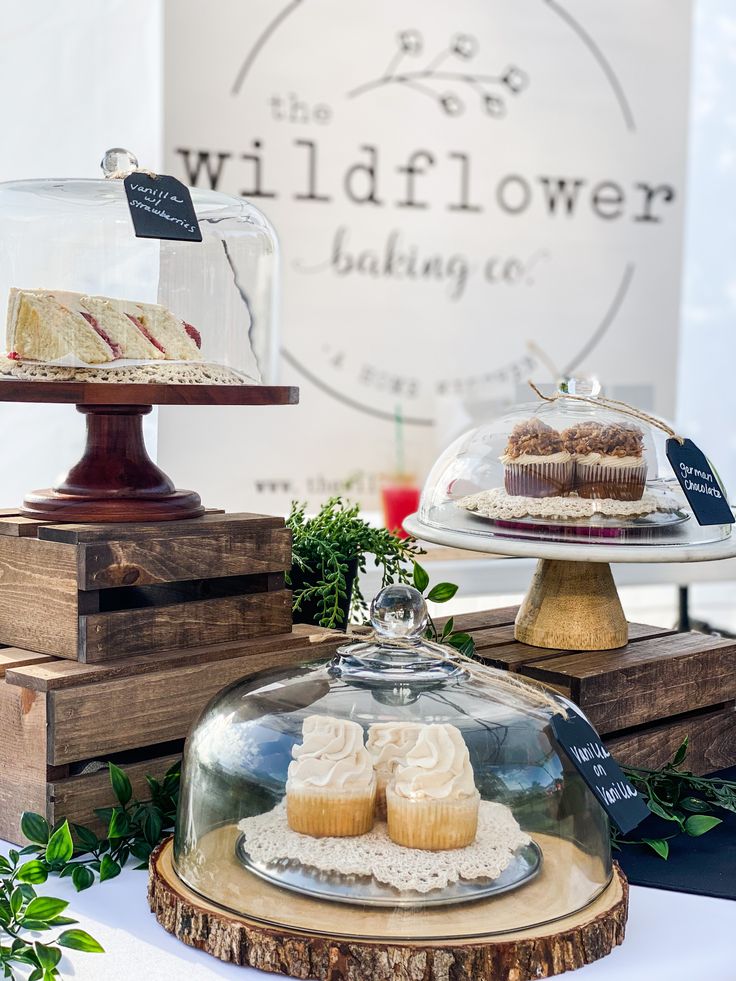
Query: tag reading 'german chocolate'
point(161, 207)
point(699, 481)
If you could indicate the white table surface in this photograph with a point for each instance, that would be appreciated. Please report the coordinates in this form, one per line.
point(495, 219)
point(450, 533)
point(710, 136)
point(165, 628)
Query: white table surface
point(670, 937)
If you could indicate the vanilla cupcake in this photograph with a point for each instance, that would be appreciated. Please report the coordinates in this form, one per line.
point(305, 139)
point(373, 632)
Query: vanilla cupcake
point(388, 743)
point(609, 460)
point(432, 801)
point(536, 464)
point(331, 786)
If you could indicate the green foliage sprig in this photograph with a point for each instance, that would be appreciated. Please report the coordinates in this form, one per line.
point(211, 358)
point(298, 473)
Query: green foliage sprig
point(681, 798)
point(23, 912)
point(134, 828)
point(323, 547)
point(441, 593)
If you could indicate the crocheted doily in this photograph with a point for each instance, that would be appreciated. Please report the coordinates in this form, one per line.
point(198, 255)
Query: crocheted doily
point(498, 504)
point(175, 373)
point(269, 839)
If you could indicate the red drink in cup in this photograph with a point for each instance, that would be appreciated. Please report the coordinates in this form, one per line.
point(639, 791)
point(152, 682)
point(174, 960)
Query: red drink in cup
point(400, 499)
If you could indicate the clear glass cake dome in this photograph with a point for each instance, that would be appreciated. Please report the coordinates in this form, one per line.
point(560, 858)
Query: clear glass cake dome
point(88, 301)
point(570, 469)
point(392, 782)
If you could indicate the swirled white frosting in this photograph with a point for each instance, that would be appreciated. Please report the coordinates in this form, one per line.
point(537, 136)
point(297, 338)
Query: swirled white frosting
point(389, 742)
point(604, 460)
point(437, 766)
point(331, 755)
point(527, 458)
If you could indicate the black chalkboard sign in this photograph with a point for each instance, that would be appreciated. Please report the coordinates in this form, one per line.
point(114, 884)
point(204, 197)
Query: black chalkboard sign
point(699, 482)
point(618, 797)
point(161, 207)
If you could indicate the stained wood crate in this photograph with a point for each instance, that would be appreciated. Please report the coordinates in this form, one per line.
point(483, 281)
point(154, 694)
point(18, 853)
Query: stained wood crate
point(644, 698)
point(59, 716)
point(97, 592)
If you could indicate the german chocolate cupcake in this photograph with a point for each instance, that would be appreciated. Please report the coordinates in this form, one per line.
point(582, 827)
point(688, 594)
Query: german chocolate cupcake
point(609, 460)
point(388, 743)
point(331, 786)
point(536, 464)
point(432, 801)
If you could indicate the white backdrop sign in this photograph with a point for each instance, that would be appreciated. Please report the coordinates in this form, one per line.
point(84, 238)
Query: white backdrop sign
point(450, 183)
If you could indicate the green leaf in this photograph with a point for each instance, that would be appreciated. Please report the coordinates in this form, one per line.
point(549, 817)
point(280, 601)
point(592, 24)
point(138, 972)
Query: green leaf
point(80, 940)
point(30, 924)
point(699, 824)
point(681, 753)
point(109, 868)
point(448, 628)
point(13, 855)
point(141, 850)
point(657, 809)
point(463, 643)
point(45, 907)
point(421, 578)
point(35, 827)
point(119, 825)
point(33, 872)
point(659, 845)
point(60, 847)
point(36, 975)
point(152, 827)
point(82, 877)
point(48, 957)
point(442, 592)
point(86, 838)
point(28, 891)
point(62, 921)
point(695, 804)
point(16, 901)
point(120, 784)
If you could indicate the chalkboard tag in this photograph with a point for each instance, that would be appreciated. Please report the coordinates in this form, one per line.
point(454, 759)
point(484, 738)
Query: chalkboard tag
point(616, 795)
point(161, 207)
point(700, 483)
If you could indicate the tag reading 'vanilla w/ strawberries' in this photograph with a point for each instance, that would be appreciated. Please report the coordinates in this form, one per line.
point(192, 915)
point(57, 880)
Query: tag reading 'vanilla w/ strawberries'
point(161, 207)
point(700, 483)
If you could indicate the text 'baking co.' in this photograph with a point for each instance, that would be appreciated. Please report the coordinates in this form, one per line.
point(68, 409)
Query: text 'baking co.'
point(617, 796)
point(699, 482)
point(161, 207)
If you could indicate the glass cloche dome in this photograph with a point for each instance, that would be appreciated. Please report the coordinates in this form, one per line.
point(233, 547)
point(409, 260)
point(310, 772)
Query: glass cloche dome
point(575, 469)
point(89, 301)
point(390, 782)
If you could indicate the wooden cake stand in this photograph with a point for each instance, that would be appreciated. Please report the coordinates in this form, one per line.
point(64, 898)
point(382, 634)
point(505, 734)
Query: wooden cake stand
point(572, 603)
point(116, 480)
point(295, 935)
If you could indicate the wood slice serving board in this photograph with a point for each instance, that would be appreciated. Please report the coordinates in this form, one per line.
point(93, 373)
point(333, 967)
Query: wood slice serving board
point(307, 939)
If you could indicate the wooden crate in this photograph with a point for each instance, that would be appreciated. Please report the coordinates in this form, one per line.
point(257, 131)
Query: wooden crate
point(58, 716)
point(100, 592)
point(643, 698)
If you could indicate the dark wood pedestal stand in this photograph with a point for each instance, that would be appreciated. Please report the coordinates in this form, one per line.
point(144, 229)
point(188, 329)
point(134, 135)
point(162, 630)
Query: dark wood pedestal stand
point(116, 480)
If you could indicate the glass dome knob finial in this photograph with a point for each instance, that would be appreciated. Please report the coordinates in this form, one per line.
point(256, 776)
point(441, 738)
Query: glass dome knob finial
point(118, 158)
point(581, 385)
point(399, 611)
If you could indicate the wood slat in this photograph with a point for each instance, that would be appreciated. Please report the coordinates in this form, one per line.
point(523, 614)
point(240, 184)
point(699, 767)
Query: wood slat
point(77, 797)
point(645, 681)
point(125, 633)
point(126, 713)
point(12, 657)
point(53, 674)
point(711, 741)
point(241, 551)
point(22, 757)
point(38, 596)
point(482, 619)
point(18, 526)
point(212, 523)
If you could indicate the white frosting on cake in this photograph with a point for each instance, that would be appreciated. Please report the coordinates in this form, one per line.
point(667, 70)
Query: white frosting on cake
point(438, 766)
point(331, 755)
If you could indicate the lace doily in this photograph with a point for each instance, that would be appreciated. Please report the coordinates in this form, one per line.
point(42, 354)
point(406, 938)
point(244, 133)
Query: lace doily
point(498, 504)
point(195, 373)
point(269, 839)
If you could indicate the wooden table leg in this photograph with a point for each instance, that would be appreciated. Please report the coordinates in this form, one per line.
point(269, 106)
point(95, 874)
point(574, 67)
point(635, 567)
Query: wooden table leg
point(572, 606)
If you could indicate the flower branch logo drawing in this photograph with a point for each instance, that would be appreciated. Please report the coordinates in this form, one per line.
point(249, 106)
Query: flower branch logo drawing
point(439, 80)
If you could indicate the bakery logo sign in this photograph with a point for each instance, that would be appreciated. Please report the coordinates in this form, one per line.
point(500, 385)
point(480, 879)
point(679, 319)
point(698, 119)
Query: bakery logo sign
point(455, 186)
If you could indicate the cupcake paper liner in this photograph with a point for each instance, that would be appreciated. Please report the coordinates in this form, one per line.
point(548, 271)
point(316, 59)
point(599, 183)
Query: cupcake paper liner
point(329, 813)
point(539, 479)
point(600, 481)
point(433, 825)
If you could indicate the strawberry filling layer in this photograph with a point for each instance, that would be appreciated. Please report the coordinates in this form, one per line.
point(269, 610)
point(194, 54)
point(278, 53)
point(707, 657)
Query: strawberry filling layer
point(117, 351)
point(148, 336)
point(14, 356)
point(193, 333)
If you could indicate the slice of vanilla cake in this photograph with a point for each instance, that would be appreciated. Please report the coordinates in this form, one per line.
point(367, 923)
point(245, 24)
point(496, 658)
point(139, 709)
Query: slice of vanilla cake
point(45, 325)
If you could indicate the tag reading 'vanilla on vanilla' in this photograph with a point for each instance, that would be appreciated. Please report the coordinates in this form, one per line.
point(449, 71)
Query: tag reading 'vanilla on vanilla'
point(700, 483)
point(161, 207)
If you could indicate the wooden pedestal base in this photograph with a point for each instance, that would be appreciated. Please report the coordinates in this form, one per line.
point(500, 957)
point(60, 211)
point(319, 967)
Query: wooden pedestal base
point(337, 943)
point(115, 480)
point(572, 606)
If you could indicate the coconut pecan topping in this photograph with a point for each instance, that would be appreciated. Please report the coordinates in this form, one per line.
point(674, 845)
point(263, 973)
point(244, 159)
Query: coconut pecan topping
point(617, 439)
point(533, 437)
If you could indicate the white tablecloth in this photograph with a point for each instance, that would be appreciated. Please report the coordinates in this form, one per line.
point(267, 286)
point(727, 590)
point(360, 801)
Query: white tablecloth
point(669, 937)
